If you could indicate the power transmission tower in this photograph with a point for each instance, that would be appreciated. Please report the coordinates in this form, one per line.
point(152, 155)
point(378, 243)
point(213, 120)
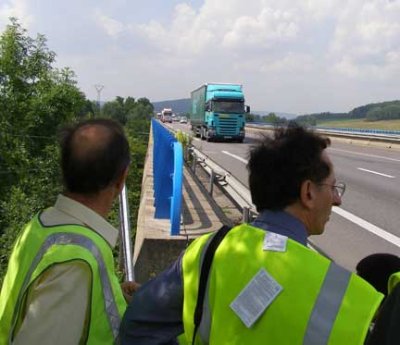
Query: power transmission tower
point(98, 88)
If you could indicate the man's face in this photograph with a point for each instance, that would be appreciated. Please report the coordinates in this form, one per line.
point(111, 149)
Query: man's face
point(326, 197)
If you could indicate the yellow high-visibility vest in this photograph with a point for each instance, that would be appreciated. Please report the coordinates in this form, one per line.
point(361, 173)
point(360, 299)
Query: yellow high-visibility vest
point(39, 247)
point(320, 302)
point(393, 281)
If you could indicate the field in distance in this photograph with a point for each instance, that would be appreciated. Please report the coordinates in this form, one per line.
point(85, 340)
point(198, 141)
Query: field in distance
point(361, 123)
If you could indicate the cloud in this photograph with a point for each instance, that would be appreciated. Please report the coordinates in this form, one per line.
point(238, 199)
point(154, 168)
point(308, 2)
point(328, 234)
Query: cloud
point(367, 40)
point(15, 8)
point(293, 56)
point(216, 27)
point(265, 29)
point(111, 26)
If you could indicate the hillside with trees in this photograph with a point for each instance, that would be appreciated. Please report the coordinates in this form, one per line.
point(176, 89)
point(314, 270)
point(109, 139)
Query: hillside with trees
point(36, 100)
point(370, 112)
point(178, 106)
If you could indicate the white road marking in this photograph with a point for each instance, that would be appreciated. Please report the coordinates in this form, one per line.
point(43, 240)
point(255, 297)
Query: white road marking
point(234, 156)
point(366, 154)
point(376, 173)
point(368, 226)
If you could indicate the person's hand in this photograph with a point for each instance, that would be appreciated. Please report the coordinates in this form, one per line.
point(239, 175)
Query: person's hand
point(128, 289)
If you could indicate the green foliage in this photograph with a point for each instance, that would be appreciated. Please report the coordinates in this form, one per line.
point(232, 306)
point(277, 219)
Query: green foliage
point(362, 124)
point(252, 117)
point(274, 119)
point(271, 118)
point(369, 112)
point(35, 101)
point(125, 110)
point(307, 120)
point(388, 111)
point(186, 140)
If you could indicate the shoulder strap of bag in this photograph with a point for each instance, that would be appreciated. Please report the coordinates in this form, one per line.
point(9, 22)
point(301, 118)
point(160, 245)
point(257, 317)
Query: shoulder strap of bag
point(205, 270)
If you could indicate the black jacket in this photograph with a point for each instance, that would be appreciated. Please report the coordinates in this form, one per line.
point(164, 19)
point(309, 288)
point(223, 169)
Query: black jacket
point(387, 326)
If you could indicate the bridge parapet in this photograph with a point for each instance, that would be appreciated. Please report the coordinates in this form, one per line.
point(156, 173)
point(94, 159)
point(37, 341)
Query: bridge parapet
point(155, 248)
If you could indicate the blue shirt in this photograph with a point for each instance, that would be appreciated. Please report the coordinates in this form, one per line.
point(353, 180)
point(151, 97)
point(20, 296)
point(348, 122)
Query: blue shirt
point(155, 314)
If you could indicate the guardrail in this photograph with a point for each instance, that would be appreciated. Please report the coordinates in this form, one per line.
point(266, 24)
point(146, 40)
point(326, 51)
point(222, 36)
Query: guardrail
point(380, 132)
point(367, 134)
point(238, 192)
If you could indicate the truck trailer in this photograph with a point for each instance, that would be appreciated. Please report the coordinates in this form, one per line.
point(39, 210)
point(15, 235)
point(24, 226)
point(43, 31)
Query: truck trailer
point(218, 112)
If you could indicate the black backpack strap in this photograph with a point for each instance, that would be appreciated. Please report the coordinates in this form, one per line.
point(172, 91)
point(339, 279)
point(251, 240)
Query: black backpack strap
point(205, 270)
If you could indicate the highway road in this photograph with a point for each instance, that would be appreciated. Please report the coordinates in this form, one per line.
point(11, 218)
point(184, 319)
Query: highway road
point(368, 220)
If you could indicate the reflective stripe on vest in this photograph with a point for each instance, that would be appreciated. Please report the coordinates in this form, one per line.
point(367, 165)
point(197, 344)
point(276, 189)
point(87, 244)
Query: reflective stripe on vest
point(327, 305)
point(84, 242)
point(322, 317)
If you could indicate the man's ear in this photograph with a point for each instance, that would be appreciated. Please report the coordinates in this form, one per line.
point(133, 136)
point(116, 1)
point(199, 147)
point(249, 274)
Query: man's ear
point(308, 194)
point(119, 184)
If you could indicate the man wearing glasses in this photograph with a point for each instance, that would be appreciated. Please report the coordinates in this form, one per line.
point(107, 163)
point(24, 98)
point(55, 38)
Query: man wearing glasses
point(264, 286)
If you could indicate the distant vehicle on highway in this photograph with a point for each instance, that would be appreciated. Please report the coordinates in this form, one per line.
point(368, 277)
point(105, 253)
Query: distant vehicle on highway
point(166, 115)
point(183, 119)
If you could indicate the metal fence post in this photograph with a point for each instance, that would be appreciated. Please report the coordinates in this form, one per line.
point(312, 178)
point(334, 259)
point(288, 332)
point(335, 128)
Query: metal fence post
point(246, 214)
point(212, 178)
point(194, 162)
point(125, 234)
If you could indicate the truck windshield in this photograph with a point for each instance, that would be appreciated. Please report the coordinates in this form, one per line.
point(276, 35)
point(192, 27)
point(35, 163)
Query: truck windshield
point(228, 106)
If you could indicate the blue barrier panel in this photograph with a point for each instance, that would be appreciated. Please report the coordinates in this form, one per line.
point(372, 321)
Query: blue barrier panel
point(167, 173)
point(176, 201)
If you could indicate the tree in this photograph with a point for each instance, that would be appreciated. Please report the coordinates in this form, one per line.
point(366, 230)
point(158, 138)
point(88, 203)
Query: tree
point(124, 110)
point(251, 117)
point(35, 100)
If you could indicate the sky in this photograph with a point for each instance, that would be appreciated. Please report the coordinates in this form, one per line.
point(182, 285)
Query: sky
point(303, 56)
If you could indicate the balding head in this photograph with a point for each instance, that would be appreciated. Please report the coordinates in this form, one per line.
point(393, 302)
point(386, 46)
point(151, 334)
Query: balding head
point(94, 154)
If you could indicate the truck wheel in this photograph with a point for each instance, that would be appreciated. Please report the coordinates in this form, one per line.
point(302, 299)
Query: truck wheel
point(203, 134)
point(209, 139)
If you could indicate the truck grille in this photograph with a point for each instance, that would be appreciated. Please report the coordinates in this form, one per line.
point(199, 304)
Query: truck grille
point(228, 126)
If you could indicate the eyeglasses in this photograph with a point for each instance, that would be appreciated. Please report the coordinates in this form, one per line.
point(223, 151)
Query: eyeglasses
point(339, 188)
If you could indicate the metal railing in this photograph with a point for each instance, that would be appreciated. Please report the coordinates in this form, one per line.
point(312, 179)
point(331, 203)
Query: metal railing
point(236, 190)
point(370, 134)
point(125, 234)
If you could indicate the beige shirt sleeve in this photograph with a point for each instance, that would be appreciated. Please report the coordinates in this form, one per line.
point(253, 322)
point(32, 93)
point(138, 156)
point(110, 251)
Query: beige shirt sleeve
point(57, 306)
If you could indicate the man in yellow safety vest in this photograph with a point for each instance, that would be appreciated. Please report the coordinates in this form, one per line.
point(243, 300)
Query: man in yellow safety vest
point(60, 286)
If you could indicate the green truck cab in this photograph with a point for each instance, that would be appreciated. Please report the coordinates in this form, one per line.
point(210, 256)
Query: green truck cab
point(218, 112)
